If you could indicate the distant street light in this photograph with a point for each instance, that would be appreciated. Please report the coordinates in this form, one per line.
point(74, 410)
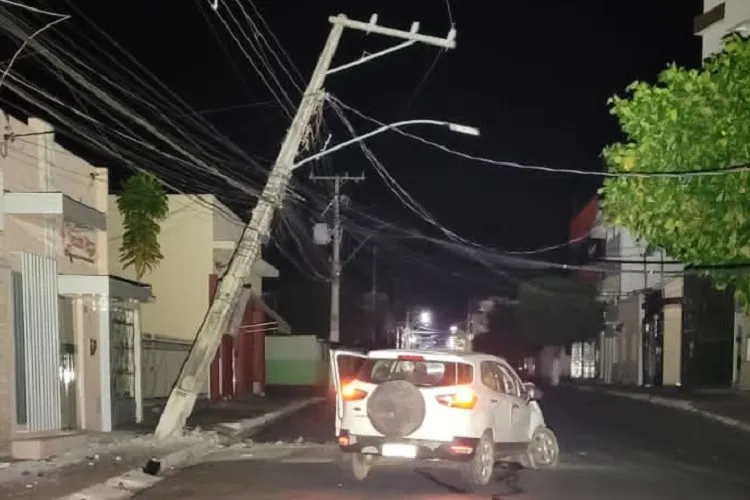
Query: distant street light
point(425, 318)
point(453, 127)
point(454, 329)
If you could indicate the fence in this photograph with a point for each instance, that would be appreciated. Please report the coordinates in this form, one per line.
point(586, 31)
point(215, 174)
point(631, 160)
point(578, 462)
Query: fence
point(162, 359)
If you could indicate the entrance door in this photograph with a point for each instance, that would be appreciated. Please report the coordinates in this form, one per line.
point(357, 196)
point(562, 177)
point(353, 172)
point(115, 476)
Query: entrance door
point(68, 370)
point(520, 414)
point(344, 367)
point(122, 331)
point(500, 403)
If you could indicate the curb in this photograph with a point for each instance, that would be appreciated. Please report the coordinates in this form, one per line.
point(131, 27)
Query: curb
point(135, 481)
point(14, 471)
point(250, 425)
point(677, 404)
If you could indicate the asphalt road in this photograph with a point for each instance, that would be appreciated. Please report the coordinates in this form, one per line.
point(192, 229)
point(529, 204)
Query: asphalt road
point(612, 449)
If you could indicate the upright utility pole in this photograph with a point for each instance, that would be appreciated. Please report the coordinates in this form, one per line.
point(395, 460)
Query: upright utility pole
point(374, 293)
point(334, 335)
point(194, 371)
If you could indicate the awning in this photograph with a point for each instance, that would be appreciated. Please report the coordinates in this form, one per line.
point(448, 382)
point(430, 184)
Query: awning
point(115, 287)
point(82, 215)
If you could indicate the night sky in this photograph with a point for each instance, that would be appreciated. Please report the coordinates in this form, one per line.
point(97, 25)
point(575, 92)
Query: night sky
point(533, 75)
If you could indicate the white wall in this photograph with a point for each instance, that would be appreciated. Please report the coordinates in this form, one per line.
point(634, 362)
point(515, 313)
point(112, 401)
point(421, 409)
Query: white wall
point(648, 272)
point(180, 283)
point(36, 163)
point(736, 13)
point(227, 226)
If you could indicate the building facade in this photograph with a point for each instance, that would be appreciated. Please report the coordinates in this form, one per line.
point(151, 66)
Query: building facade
point(60, 311)
point(633, 273)
point(197, 240)
point(718, 19)
point(587, 248)
point(664, 326)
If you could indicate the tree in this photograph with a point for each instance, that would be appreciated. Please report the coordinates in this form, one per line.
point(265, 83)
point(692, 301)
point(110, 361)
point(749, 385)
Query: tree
point(558, 311)
point(502, 337)
point(143, 205)
point(689, 120)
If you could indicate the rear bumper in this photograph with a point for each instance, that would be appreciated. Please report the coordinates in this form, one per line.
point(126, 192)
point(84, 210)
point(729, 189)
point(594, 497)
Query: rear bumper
point(458, 450)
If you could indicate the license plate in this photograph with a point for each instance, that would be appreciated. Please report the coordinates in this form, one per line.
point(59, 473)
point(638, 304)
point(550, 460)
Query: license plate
point(398, 450)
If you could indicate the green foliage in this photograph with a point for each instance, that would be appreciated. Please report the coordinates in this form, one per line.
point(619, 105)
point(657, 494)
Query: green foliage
point(691, 119)
point(557, 311)
point(143, 204)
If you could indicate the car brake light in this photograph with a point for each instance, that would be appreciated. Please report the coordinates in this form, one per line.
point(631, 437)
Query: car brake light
point(465, 399)
point(350, 393)
point(410, 357)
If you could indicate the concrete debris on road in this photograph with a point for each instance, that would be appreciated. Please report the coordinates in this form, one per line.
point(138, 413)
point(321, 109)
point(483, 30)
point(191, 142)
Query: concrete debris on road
point(109, 461)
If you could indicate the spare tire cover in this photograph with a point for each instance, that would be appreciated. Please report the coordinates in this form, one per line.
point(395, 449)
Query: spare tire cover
point(396, 408)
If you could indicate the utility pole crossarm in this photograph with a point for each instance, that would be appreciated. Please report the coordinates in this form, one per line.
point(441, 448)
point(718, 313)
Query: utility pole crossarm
point(334, 178)
point(449, 42)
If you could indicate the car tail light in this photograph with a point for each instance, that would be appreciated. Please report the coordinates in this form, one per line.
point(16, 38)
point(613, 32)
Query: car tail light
point(465, 399)
point(461, 446)
point(410, 357)
point(350, 393)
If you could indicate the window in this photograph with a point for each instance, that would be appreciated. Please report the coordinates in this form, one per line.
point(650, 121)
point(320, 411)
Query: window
point(491, 376)
point(500, 378)
point(508, 380)
point(421, 373)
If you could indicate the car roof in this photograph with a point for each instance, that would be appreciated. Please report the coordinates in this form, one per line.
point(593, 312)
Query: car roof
point(445, 354)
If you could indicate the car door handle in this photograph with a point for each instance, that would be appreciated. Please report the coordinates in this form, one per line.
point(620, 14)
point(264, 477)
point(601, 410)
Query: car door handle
point(515, 406)
point(493, 401)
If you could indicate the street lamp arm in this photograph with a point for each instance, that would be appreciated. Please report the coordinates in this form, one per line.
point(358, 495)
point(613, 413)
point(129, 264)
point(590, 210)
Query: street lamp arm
point(454, 127)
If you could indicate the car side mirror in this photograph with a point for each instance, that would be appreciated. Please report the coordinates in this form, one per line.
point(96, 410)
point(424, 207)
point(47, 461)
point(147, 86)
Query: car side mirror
point(533, 393)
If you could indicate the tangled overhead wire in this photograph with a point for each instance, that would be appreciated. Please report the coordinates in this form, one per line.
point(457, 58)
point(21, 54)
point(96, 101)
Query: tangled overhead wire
point(130, 117)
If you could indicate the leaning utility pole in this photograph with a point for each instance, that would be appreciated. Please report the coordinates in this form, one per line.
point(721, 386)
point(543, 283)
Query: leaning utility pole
point(334, 332)
point(194, 372)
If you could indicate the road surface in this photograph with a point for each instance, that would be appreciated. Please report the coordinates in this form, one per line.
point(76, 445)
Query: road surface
point(612, 449)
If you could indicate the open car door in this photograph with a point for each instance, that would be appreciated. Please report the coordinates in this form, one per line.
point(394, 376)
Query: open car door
point(344, 367)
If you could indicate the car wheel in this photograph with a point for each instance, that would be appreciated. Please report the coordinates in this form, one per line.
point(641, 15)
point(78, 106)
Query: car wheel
point(357, 466)
point(543, 451)
point(478, 471)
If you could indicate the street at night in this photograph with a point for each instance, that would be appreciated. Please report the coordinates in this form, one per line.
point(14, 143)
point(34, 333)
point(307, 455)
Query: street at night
point(337, 250)
point(612, 448)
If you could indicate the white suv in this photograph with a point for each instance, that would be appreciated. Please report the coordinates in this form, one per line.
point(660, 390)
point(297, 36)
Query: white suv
point(468, 410)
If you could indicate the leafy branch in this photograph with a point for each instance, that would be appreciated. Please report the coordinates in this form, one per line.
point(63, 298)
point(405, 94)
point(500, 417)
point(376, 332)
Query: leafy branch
point(143, 204)
point(689, 120)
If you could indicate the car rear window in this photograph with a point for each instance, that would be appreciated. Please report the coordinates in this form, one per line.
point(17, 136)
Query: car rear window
point(425, 373)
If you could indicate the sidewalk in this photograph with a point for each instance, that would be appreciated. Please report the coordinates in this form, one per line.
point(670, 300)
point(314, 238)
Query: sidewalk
point(727, 406)
point(208, 416)
point(117, 458)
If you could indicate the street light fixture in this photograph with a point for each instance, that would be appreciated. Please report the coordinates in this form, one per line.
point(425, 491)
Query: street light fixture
point(454, 329)
point(425, 318)
point(453, 127)
point(463, 129)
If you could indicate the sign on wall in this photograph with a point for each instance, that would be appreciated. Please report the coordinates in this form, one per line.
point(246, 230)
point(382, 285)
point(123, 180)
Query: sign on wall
point(78, 246)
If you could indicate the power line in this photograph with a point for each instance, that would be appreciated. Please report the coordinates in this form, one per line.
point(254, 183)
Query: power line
point(509, 164)
point(449, 7)
point(422, 81)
